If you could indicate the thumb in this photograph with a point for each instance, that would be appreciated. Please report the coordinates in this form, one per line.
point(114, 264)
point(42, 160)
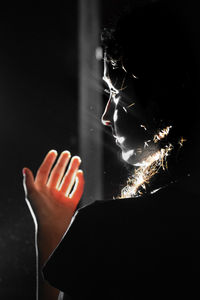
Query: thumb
point(28, 181)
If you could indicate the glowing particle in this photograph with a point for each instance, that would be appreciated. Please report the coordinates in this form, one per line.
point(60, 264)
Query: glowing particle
point(127, 155)
point(124, 68)
point(130, 105)
point(155, 191)
point(123, 81)
point(146, 144)
point(145, 171)
point(161, 134)
point(143, 127)
point(134, 76)
point(181, 141)
point(124, 109)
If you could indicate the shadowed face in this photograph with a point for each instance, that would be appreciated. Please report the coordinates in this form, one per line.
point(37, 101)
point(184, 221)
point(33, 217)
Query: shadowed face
point(150, 90)
point(129, 114)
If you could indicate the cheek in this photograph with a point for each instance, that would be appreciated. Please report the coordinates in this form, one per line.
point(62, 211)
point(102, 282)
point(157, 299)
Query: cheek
point(128, 125)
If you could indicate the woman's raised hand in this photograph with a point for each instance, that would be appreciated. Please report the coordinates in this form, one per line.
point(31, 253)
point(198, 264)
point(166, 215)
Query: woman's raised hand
point(54, 194)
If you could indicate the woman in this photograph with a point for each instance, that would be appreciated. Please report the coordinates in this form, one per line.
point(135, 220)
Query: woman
point(145, 243)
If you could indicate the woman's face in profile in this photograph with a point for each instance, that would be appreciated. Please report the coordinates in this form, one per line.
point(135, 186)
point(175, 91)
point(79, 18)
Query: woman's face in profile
point(126, 114)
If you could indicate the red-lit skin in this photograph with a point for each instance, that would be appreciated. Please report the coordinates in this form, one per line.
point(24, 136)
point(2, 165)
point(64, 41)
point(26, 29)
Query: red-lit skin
point(50, 207)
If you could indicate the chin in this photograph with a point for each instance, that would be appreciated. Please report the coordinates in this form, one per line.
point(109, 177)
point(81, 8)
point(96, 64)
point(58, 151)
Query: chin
point(133, 160)
point(136, 158)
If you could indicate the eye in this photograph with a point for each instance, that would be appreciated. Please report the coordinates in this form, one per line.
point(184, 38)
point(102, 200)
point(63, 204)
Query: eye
point(111, 92)
point(114, 92)
point(106, 91)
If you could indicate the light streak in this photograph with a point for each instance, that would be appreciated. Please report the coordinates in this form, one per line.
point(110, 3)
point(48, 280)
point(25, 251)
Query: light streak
point(123, 68)
point(161, 134)
point(146, 144)
point(146, 170)
point(134, 76)
point(124, 109)
point(143, 127)
point(130, 105)
point(123, 81)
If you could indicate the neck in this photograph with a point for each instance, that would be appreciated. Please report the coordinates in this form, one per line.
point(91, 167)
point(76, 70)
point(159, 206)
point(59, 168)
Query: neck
point(165, 167)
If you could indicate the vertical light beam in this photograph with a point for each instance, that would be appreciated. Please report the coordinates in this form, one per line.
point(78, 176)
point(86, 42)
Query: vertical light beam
point(90, 132)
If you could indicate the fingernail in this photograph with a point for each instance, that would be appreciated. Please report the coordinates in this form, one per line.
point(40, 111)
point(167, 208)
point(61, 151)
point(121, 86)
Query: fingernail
point(24, 171)
point(77, 157)
point(54, 151)
point(66, 152)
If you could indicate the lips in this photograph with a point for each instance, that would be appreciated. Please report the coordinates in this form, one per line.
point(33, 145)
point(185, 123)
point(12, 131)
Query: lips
point(121, 146)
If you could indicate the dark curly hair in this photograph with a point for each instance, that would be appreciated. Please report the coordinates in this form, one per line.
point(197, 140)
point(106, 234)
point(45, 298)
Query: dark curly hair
point(152, 42)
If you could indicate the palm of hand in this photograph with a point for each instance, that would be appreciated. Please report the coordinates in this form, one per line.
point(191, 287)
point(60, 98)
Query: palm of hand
point(54, 194)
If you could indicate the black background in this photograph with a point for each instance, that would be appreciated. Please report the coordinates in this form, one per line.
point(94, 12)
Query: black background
point(38, 100)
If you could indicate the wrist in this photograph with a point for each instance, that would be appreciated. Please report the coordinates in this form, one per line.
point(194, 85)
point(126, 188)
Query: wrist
point(47, 241)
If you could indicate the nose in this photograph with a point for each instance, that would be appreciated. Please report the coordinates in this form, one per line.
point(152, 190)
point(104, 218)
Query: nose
point(107, 116)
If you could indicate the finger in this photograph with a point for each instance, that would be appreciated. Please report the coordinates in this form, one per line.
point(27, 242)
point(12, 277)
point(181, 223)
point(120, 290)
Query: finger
point(59, 170)
point(69, 178)
point(78, 188)
point(28, 182)
point(45, 168)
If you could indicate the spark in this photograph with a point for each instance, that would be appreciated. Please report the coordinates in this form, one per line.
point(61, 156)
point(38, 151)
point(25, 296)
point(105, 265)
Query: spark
point(145, 171)
point(161, 134)
point(123, 81)
point(124, 109)
point(155, 191)
point(146, 144)
point(127, 155)
point(134, 76)
point(122, 89)
point(181, 141)
point(143, 127)
point(130, 105)
point(123, 68)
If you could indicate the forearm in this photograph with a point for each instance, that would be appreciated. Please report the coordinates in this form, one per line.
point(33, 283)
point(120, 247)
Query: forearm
point(47, 239)
point(49, 236)
point(44, 247)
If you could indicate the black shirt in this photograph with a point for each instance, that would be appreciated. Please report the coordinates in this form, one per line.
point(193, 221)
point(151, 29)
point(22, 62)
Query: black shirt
point(131, 248)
